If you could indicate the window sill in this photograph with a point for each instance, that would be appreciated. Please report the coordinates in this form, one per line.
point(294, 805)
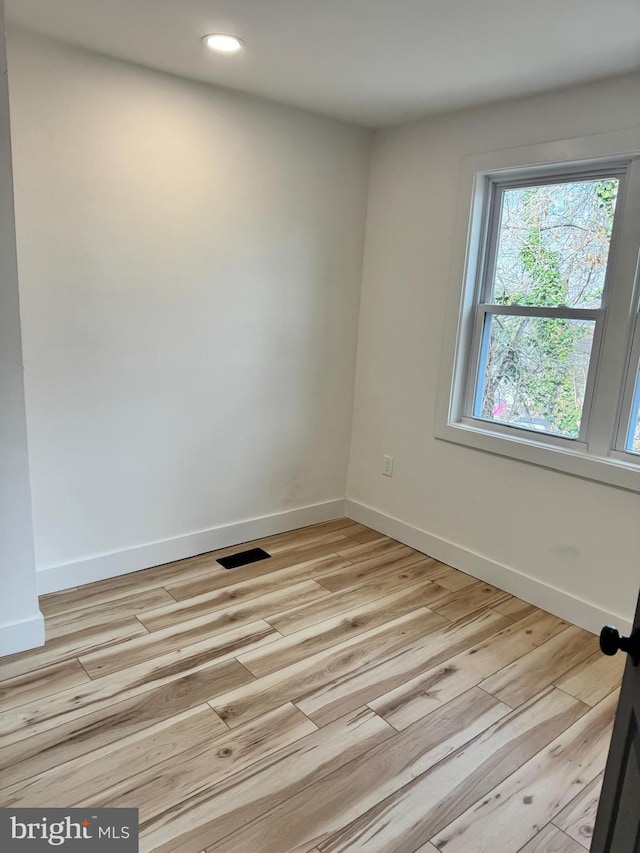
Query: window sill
point(568, 460)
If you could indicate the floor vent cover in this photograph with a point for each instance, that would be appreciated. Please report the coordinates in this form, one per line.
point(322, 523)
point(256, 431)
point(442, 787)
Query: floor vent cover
point(233, 561)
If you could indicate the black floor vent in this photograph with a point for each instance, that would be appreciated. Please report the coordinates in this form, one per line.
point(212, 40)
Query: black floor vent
point(243, 558)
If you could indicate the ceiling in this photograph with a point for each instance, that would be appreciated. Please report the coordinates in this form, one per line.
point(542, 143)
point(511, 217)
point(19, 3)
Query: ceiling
point(373, 62)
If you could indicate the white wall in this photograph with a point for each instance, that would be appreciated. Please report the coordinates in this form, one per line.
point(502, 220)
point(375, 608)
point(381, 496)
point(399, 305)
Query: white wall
point(190, 264)
point(574, 535)
point(21, 624)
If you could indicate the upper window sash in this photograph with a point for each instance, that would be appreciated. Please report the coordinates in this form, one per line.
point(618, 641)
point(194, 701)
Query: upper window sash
point(494, 191)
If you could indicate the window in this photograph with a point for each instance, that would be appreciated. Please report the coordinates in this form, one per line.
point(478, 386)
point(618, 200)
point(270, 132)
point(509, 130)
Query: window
point(547, 354)
point(541, 309)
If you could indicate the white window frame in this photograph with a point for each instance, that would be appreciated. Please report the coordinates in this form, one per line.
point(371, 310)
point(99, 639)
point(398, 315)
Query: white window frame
point(630, 403)
point(599, 451)
point(493, 191)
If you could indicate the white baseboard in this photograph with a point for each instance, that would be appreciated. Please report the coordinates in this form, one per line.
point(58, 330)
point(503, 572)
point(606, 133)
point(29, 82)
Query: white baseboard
point(547, 597)
point(22, 635)
point(54, 578)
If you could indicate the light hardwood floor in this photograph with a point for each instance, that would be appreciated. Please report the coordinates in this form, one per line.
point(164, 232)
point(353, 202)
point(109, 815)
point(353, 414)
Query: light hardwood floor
point(348, 694)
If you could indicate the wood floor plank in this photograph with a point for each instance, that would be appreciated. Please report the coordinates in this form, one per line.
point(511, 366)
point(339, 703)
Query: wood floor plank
point(416, 697)
point(361, 534)
point(89, 774)
point(69, 646)
point(105, 591)
point(191, 631)
point(544, 784)
point(40, 683)
point(358, 553)
point(78, 735)
point(552, 840)
point(578, 818)
point(333, 604)
point(157, 791)
point(459, 604)
point(594, 678)
point(376, 568)
point(235, 593)
point(526, 676)
point(99, 695)
point(218, 810)
point(311, 815)
point(425, 848)
point(298, 679)
point(384, 672)
point(456, 581)
point(412, 814)
point(515, 608)
point(218, 577)
point(330, 632)
point(85, 618)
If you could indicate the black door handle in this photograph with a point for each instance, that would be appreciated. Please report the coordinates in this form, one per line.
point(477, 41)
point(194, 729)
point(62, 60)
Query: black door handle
point(611, 642)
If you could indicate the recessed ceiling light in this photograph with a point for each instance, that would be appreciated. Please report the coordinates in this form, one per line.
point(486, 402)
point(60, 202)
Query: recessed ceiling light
point(222, 43)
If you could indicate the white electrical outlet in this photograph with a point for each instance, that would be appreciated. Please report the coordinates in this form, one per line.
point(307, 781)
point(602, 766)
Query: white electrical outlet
point(387, 469)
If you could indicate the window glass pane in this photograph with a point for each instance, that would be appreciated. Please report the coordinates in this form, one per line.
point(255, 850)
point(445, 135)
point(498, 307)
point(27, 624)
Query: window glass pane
point(553, 243)
point(633, 440)
point(533, 372)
